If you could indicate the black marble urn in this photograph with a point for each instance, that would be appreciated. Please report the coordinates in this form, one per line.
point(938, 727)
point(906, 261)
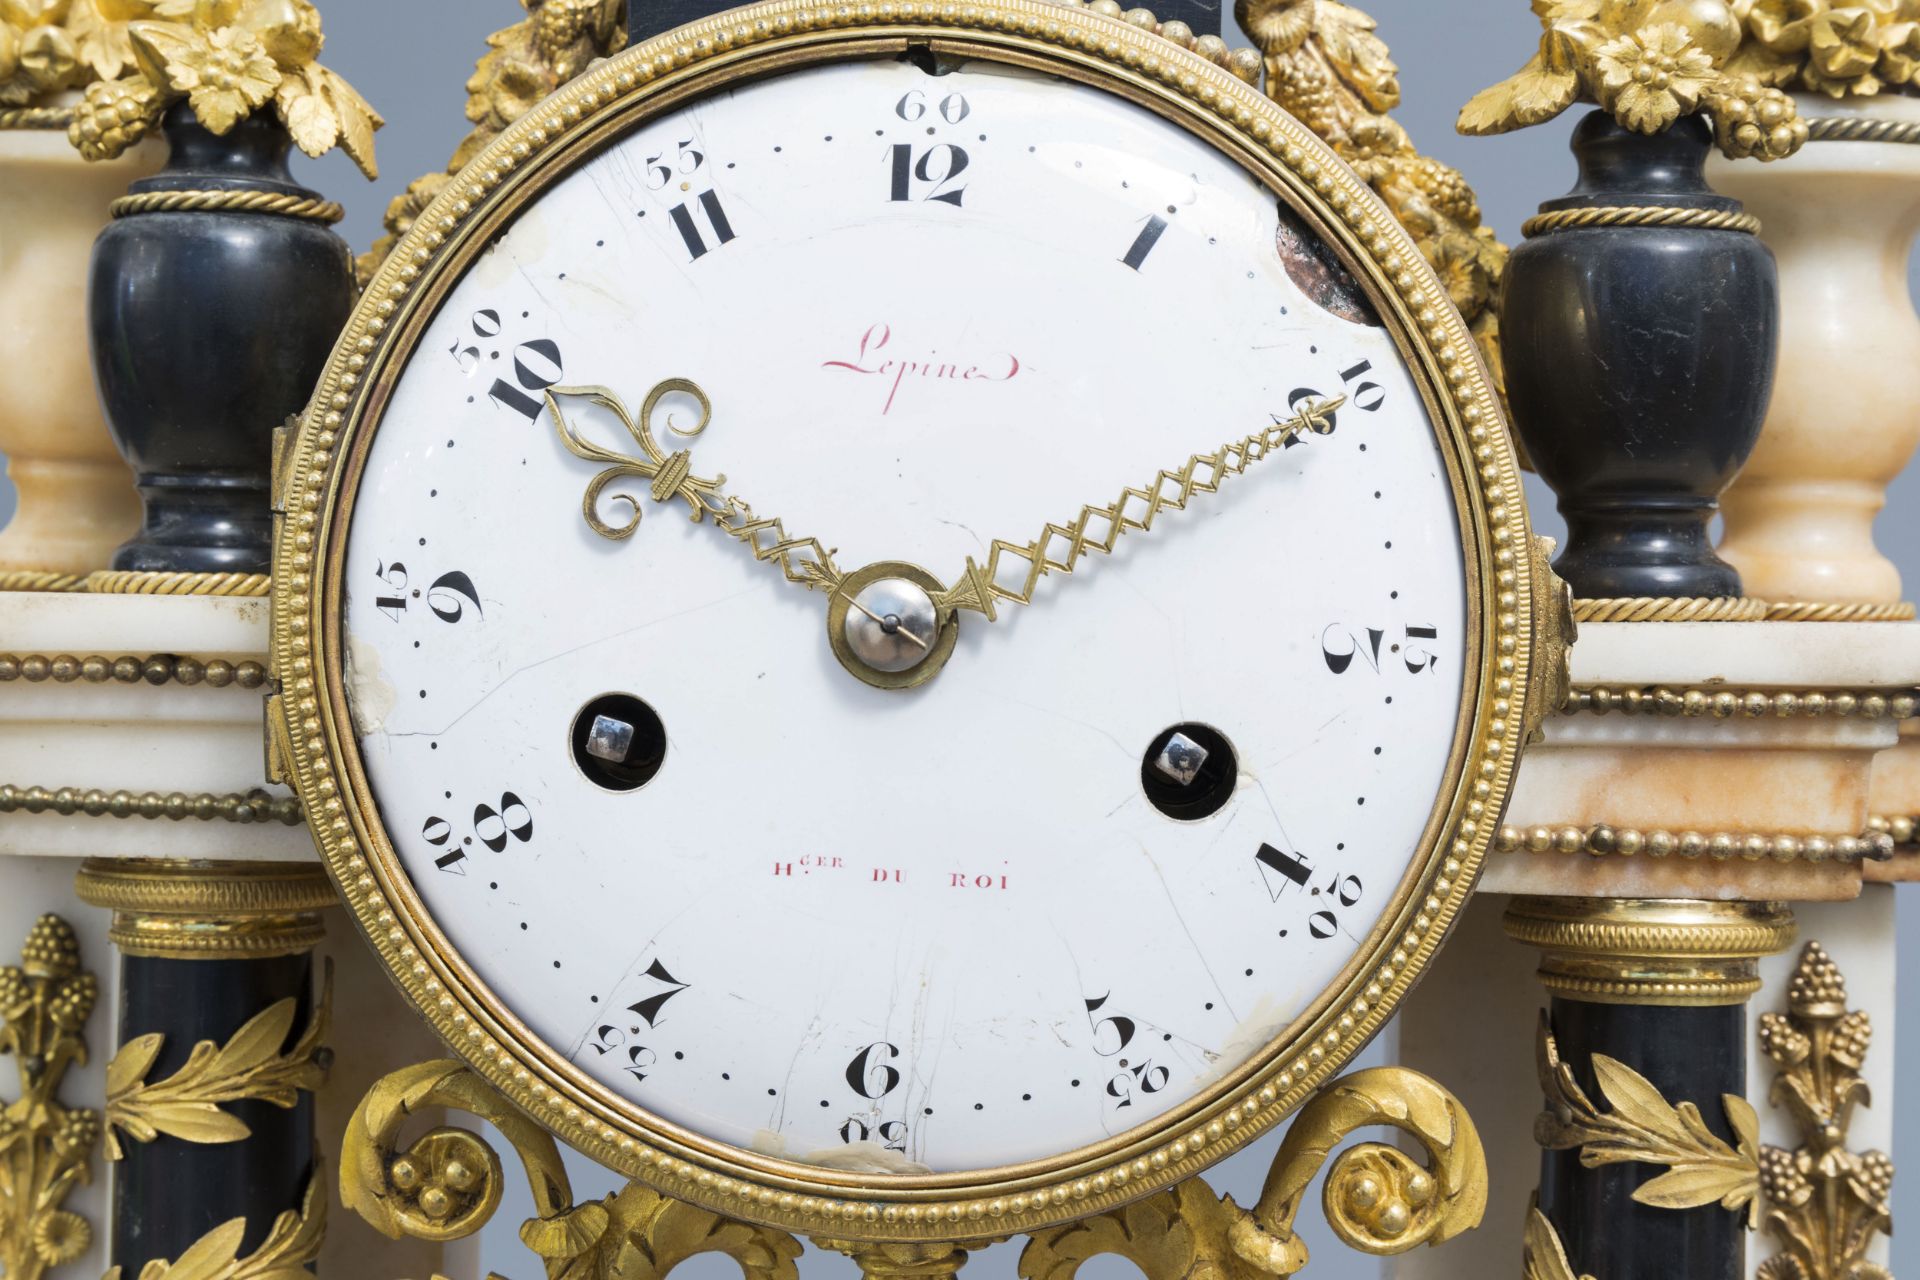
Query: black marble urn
point(1640, 361)
point(209, 329)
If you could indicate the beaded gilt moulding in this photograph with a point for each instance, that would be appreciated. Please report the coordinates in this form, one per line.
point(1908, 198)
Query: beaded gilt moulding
point(320, 493)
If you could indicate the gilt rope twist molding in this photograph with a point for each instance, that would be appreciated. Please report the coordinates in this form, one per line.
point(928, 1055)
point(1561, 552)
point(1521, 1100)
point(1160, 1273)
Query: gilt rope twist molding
point(191, 1103)
point(40, 580)
point(1818, 611)
point(1544, 224)
point(1825, 1202)
point(45, 1145)
point(1863, 129)
point(273, 202)
point(132, 583)
point(1671, 609)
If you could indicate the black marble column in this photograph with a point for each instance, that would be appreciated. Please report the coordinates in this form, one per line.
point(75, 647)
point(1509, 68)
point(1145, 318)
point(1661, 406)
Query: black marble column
point(205, 948)
point(1639, 358)
point(1687, 1054)
point(1659, 986)
point(210, 324)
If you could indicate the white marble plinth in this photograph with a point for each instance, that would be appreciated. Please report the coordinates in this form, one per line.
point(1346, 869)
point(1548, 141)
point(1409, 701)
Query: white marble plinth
point(137, 737)
point(1795, 767)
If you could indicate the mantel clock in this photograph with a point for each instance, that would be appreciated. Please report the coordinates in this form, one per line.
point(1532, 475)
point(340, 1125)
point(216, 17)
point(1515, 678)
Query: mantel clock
point(1081, 696)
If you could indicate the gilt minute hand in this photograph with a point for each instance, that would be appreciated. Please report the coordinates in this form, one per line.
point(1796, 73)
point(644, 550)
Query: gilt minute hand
point(1059, 548)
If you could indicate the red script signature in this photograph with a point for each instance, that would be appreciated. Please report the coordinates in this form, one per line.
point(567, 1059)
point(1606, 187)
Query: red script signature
point(899, 373)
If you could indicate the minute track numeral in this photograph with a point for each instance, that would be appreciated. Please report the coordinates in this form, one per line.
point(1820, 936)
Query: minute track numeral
point(1340, 645)
point(447, 598)
point(912, 107)
point(1346, 890)
point(492, 827)
point(684, 161)
point(892, 1134)
point(537, 365)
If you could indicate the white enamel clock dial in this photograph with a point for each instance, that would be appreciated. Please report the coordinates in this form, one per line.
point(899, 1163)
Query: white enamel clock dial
point(959, 926)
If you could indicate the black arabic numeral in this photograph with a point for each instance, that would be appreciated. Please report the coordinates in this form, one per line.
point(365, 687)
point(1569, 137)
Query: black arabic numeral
point(871, 1074)
point(1123, 1028)
point(536, 366)
point(511, 820)
point(1291, 867)
point(650, 1007)
point(690, 234)
point(1143, 243)
point(1366, 396)
point(443, 597)
point(951, 164)
point(1338, 661)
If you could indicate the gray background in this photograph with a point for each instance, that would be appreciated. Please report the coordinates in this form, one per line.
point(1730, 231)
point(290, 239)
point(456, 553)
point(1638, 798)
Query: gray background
point(411, 58)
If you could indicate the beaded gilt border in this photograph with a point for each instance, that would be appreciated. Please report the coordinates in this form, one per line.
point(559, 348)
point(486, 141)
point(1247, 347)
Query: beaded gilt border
point(1603, 840)
point(1728, 703)
point(817, 1201)
point(157, 669)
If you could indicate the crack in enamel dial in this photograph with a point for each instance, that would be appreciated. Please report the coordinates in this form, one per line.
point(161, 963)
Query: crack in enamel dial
point(1119, 888)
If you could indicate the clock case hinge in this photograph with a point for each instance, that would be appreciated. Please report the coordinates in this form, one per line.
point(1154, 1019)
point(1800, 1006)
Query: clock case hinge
point(1554, 633)
point(276, 739)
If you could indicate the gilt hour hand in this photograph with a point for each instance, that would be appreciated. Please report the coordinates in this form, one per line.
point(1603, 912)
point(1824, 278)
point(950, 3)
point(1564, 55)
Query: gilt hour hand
point(670, 477)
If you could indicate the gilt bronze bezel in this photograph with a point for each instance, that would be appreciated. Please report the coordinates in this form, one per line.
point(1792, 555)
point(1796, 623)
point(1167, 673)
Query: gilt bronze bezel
point(317, 492)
